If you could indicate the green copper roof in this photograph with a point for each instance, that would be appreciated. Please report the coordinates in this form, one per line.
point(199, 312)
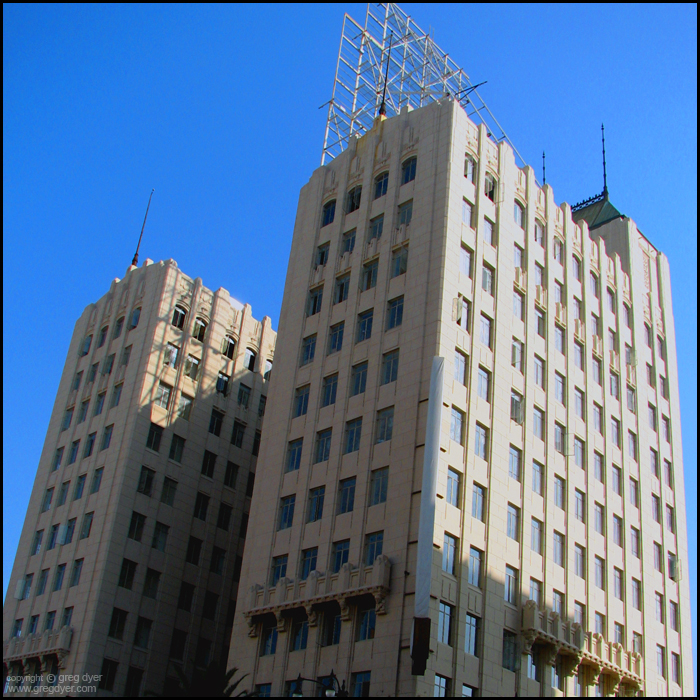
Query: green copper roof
point(597, 213)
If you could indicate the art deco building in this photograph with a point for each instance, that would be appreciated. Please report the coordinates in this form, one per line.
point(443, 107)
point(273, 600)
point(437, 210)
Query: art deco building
point(131, 549)
point(472, 479)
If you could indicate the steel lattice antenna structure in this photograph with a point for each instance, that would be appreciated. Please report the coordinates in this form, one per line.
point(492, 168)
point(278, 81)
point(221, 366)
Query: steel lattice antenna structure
point(418, 72)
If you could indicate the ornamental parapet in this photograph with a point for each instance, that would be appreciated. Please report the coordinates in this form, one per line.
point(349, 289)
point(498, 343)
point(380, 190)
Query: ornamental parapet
point(578, 647)
point(56, 642)
point(319, 588)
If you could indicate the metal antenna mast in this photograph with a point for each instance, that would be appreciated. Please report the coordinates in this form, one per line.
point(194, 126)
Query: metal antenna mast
point(382, 109)
point(135, 261)
point(417, 73)
point(544, 172)
point(605, 176)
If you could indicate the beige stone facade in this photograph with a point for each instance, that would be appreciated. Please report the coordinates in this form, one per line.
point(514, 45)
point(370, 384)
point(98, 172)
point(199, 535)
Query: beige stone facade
point(131, 549)
point(558, 517)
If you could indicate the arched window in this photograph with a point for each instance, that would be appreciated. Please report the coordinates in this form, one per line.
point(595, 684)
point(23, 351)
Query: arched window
point(519, 214)
point(539, 233)
point(268, 370)
point(102, 337)
point(352, 201)
point(200, 329)
point(408, 170)
point(118, 327)
point(381, 182)
point(490, 187)
point(328, 213)
point(86, 346)
point(229, 347)
point(249, 361)
point(179, 316)
point(469, 167)
point(135, 317)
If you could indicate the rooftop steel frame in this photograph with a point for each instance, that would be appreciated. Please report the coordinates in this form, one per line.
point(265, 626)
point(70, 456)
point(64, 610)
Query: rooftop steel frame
point(391, 58)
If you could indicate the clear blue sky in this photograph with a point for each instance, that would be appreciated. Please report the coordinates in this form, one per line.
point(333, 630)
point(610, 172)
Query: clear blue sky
point(217, 108)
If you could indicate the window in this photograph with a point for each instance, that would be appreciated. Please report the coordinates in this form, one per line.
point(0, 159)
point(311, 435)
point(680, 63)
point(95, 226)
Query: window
point(445, 616)
point(600, 573)
point(268, 370)
point(666, 428)
point(352, 200)
point(614, 385)
point(457, 426)
point(373, 547)
point(484, 384)
point(160, 536)
point(339, 557)
point(201, 506)
point(559, 296)
point(594, 325)
point(519, 214)
point(68, 533)
point(485, 330)
point(559, 548)
point(661, 661)
point(167, 495)
point(467, 212)
point(516, 408)
point(580, 561)
point(294, 455)
point(576, 268)
point(347, 243)
point(384, 427)
point(93, 373)
point(194, 550)
point(405, 213)
point(143, 632)
point(177, 447)
point(244, 395)
point(580, 505)
point(618, 583)
point(510, 651)
point(481, 440)
point(490, 186)
point(41, 583)
point(560, 492)
point(364, 325)
point(559, 388)
point(342, 287)
point(634, 492)
point(475, 561)
point(238, 433)
point(308, 350)
point(313, 305)
point(346, 495)
point(381, 182)
point(488, 277)
point(408, 170)
point(537, 477)
point(465, 261)
point(77, 568)
point(580, 403)
point(541, 320)
point(117, 623)
point(301, 401)
point(316, 497)
point(279, 569)
point(369, 275)
point(513, 522)
point(394, 313)
point(449, 551)
point(511, 590)
point(580, 363)
point(594, 284)
point(472, 634)
point(580, 453)
point(518, 305)
point(378, 486)
point(286, 515)
point(328, 213)
point(442, 687)
point(399, 262)
point(67, 418)
point(469, 167)
point(478, 501)
point(538, 423)
point(358, 379)
point(353, 433)
point(676, 668)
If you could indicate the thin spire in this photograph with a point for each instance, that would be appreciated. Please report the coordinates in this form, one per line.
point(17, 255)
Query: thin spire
point(544, 172)
point(135, 261)
point(382, 108)
point(605, 176)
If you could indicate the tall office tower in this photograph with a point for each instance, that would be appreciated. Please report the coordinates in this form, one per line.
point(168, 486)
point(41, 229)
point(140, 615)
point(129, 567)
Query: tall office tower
point(472, 478)
point(131, 548)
